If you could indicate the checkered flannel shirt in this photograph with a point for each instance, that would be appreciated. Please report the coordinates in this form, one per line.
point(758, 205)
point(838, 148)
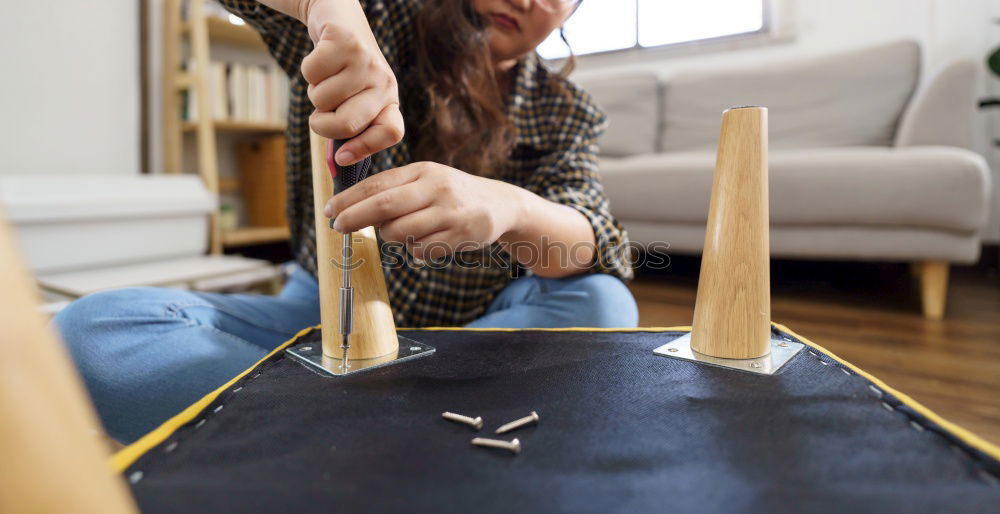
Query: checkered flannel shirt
point(554, 157)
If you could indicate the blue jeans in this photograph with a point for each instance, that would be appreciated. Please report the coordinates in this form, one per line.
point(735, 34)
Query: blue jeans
point(147, 353)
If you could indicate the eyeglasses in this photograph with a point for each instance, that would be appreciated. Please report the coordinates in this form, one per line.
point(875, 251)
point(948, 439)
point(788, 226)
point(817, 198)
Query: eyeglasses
point(556, 5)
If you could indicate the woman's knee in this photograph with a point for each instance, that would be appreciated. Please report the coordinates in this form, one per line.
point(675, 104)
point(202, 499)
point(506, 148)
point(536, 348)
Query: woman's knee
point(610, 304)
point(98, 309)
point(95, 327)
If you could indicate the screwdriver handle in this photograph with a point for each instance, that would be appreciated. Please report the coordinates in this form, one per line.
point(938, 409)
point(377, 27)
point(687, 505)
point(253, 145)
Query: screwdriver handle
point(345, 176)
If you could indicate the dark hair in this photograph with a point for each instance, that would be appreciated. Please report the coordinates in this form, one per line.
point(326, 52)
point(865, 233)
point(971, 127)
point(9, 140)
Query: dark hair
point(456, 106)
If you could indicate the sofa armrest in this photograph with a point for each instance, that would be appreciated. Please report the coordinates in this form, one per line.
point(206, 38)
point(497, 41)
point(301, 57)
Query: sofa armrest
point(942, 111)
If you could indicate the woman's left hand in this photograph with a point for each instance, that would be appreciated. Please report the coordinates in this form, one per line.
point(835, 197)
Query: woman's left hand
point(434, 209)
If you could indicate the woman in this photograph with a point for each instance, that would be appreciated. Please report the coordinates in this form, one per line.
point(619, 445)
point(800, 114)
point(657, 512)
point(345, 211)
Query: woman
point(495, 175)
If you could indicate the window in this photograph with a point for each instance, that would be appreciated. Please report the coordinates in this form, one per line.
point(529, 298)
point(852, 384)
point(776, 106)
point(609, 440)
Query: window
point(606, 25)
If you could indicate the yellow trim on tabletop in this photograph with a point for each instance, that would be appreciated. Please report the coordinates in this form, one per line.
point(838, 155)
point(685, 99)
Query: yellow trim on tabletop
point(124, 458)
point(971, 439)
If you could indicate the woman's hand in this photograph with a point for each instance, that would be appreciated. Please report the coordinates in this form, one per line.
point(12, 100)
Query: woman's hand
point(434, 209)
point(350, 83)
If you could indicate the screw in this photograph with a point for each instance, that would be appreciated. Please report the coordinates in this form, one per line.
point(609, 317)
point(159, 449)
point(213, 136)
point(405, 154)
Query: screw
point(306, 348)
point(476, 422)
point(755, 364)
point(783, 345)
point(514, 446)
point(672, 350)
point(414, 348)
point(518, 423)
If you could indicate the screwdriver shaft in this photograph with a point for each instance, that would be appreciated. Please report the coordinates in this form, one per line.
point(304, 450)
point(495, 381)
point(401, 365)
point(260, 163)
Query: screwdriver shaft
point(346, 300)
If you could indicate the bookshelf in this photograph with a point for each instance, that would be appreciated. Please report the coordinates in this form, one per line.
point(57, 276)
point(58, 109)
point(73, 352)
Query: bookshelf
point(204, 99)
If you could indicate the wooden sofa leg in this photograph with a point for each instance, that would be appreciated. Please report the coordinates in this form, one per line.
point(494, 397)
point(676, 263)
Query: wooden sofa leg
point(933, 276)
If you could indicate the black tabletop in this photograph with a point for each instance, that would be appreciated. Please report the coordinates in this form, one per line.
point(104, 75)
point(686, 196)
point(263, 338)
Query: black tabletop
point(621, 430)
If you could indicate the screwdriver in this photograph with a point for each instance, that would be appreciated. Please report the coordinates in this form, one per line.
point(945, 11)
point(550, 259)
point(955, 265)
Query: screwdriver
point(343, 178)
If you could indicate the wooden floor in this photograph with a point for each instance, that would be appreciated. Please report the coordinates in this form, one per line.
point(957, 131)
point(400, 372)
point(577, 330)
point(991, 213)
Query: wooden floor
point(869, 314)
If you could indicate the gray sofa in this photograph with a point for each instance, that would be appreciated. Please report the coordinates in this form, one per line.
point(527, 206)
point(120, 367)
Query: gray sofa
point(864, 165)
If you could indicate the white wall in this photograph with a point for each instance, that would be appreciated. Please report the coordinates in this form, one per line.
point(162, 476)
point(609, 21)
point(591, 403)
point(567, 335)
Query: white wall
point(69, 93)
point(993, 123)
point(993, 127)
point(946, 29)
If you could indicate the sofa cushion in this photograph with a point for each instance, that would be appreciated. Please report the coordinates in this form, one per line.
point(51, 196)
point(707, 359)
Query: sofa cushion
point(930, 187)
point(852, 98)
point(867, 243)
point(632, 105)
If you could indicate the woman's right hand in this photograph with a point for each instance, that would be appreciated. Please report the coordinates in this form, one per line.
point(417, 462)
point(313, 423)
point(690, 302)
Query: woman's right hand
point(350, 83)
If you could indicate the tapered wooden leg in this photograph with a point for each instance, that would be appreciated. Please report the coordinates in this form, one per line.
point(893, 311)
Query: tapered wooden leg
point(51, 458)
point(732, 313)
point(933, 276)
point(374, 333)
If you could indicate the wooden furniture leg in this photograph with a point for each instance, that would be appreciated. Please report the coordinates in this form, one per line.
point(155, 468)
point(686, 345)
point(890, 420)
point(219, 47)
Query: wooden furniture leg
point(53, 457)
point(732, 314)
point(374, 333)
point(933, 276)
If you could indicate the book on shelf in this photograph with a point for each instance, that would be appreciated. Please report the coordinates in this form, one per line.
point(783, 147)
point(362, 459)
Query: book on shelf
point(217, 85)
point(241, 92)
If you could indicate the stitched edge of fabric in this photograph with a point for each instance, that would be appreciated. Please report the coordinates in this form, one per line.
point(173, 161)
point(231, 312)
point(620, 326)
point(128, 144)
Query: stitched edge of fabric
point(955, 430)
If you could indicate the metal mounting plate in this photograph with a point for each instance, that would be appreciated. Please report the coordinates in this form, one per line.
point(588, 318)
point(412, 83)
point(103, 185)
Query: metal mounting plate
point(781, 352)
point(311, 355)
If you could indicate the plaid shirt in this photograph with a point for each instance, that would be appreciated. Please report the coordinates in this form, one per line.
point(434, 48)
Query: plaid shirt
point(554, 157)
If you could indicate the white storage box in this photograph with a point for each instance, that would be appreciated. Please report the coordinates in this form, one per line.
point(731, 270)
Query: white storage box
point(72, 222)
